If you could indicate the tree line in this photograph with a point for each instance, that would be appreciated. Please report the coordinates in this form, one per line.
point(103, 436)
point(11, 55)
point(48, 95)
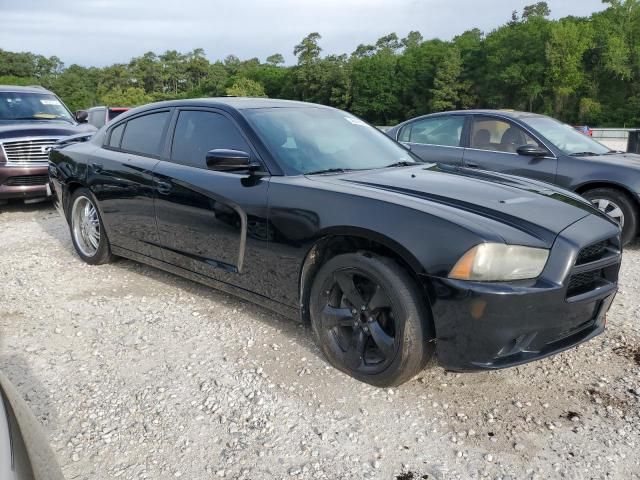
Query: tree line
point(582, 70)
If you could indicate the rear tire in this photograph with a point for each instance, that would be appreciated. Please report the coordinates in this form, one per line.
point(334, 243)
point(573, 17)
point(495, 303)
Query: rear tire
point(613, 202)
point(370, 319)
point(87, 230)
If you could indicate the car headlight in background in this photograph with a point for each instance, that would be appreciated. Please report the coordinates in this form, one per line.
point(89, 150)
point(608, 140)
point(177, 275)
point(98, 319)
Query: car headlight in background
point(496, 262)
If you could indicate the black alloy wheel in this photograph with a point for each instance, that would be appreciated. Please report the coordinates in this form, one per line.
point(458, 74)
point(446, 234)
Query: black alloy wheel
point(369, 319)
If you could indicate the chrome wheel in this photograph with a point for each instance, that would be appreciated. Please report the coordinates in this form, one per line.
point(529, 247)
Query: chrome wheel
point(610, 208)
point(85, 225)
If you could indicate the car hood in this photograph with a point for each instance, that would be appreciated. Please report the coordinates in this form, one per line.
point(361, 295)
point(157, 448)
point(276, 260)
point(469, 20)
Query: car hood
point(41, 129)
point(625, 159)
point(537, 208)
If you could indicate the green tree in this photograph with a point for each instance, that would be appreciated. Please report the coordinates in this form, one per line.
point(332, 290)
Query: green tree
point(245, 87)
point(275, 59)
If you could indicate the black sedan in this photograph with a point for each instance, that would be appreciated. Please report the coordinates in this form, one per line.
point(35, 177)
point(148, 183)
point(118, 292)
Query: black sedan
point(313, 213)
point(534, 146)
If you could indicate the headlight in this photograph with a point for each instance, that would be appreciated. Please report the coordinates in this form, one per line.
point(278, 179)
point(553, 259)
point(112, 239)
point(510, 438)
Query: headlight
point(496, 262)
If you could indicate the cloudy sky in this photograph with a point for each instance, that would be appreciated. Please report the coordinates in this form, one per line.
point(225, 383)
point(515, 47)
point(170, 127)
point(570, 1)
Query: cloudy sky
point(102, 32)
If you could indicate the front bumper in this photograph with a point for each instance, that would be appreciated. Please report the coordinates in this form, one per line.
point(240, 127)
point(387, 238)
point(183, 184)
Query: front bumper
point(497, 325)
point(23, 182)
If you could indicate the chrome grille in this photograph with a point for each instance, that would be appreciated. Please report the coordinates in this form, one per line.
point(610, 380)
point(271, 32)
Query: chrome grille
point(28, 151)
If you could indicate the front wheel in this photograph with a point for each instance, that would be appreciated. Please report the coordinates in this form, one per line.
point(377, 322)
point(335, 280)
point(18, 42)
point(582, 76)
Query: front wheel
point(619, 207)
point(370, 319)
point(87, 230)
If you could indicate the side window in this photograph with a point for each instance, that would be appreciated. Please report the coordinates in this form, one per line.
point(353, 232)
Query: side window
point(116, 136)
point(498, 135)
point(443, 130)
point(144, 135)
point(96, 117)
point(197, 132)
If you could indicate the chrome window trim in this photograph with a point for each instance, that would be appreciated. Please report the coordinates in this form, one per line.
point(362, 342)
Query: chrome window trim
point(510, 153)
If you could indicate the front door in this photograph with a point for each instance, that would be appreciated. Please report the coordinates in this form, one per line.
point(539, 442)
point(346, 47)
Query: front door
point(493, 146)
point(212, 223)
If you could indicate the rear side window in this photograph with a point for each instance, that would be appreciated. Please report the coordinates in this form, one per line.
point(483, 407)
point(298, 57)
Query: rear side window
point(116, 136)
point(144, 135)
point(197, 132)
point(441, 130)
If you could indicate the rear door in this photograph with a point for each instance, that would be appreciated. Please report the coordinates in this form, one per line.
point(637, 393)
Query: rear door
point(212, 223)
point(120, 175)
point(493, 145)
point(436, 139)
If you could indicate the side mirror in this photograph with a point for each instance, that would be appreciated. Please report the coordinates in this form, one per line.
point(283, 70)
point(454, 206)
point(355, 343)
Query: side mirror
point(25, 453)
point(223, 160)
point(532, 151)
point(82, 116)
point(406, 145)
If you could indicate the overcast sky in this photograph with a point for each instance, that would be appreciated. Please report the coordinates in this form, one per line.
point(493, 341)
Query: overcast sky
point(102, 32)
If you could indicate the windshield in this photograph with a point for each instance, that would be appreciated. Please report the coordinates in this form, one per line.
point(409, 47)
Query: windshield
point(565, 137)
point(306, 140)
point(32, 106)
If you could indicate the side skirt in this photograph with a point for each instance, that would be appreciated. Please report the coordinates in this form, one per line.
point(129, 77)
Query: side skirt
point(289, 312)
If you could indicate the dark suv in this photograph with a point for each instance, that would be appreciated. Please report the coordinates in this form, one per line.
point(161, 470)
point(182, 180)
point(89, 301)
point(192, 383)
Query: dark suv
point(534, 146)
point(32, 120)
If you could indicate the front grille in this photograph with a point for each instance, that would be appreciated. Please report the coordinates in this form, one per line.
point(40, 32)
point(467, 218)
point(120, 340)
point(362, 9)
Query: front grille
point(584, 282)
point(27, 152)
point(26, 180)
point(596, 266)
point(592, 252)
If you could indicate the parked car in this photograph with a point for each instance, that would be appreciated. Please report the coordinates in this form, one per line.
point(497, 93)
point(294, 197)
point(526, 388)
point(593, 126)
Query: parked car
point(25, 453)
point(313, 213)
point(32, 120)
point(533, 146)
point(99, 116)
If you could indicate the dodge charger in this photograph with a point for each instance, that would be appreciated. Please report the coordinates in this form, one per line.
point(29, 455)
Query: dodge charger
point(311, 212)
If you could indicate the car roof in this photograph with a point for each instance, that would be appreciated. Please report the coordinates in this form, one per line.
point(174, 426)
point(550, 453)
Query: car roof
point(501, 113)
point(237, 103)
point(19, 88)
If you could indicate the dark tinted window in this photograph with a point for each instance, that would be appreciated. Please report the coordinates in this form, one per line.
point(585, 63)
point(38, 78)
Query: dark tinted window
point(442, 130)
point(197, 132)
point(144, 135)
point(116, 136)
point(113, 113)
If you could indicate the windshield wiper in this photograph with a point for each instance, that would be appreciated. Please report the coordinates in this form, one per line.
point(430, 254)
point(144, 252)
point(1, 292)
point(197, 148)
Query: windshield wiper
point(585, 154)
point(44, 119)
point(330, 170)
point(402, 163)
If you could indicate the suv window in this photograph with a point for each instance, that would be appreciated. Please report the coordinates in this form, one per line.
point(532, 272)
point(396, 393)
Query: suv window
point(116, 136)
point(498, 135)
point(442, 130)
point(197, 132)
point(144, 134)
point(97, 117)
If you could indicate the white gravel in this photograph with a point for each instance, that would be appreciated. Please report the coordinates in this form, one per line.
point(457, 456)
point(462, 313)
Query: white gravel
point(136, 374)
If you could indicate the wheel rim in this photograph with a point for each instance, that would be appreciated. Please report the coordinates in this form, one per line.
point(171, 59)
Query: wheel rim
point(611, 209)
point(358, 322)
point(86, 226)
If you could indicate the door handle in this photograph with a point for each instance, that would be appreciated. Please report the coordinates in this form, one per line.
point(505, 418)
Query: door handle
point(97, 167)
point(471, 165)
point(164, 188)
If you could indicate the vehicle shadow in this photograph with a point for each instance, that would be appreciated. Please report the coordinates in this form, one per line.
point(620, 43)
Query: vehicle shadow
point(54, 226)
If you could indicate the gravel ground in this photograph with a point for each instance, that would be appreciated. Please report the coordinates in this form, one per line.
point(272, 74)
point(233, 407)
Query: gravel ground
point(136, 374)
